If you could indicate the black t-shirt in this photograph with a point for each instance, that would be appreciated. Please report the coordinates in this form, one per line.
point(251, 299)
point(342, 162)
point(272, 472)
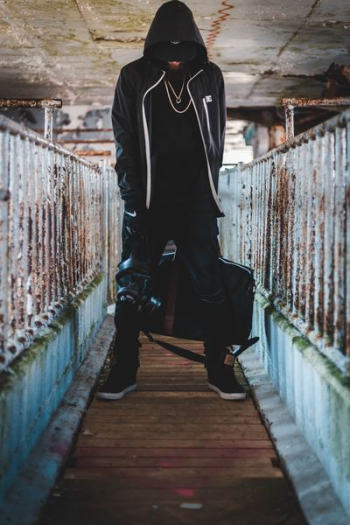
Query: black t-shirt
point(177, 150)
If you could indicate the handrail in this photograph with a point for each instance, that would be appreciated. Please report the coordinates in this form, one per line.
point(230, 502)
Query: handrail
point(289, 217)
point(59, 228)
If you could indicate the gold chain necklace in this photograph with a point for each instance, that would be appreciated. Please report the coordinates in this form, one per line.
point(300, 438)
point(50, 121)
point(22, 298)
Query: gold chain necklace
point(177, 97)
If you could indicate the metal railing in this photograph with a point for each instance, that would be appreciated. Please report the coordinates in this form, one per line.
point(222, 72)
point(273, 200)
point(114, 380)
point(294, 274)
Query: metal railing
point(288, 217)
point(59, 228)
point(48, 104)
point(290, 103)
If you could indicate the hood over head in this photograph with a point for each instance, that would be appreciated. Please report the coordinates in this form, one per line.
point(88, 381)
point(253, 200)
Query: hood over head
point(174, 22)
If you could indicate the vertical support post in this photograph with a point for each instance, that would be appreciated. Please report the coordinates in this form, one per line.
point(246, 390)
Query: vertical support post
point(104, 228)
point(48, 122)
point(347, 238)
point(47, 103)
point(289, 119)
point(5, 196)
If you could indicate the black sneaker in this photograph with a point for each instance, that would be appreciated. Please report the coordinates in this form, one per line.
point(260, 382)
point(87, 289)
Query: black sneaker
point(221, 377)
point(119, 383)
point(224, 382)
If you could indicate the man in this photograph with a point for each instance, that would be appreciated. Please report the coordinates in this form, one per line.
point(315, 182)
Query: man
point(169, 119)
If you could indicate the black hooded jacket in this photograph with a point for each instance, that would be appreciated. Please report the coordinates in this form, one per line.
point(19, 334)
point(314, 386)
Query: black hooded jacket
point(131, 111)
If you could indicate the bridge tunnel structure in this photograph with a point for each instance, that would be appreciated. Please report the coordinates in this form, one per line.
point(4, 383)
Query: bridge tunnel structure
point(173, 452)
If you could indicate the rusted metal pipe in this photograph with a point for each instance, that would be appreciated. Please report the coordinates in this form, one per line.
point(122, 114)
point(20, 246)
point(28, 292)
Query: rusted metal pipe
point(85, 141)
point(305, 102)
point(92, 153)
point(30, 103)
point(82, 130)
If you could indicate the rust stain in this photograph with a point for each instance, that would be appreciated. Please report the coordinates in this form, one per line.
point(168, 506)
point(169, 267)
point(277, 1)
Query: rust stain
point(304, 102)
point(30, 103)
point(216, 24)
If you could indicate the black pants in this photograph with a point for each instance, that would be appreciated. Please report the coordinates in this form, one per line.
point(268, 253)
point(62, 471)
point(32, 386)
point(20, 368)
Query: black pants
point(195, 236)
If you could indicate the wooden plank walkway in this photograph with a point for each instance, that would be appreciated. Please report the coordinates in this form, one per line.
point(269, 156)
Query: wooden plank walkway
point(173, 453)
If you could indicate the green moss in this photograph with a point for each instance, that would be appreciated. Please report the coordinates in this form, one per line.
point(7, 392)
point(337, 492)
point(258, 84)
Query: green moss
point(87, 291)
point(334, 382)
point(319, 361)
point(282, 322)
point(301, 342)
point(37, 349)
point(262, 300)
point(328, 371)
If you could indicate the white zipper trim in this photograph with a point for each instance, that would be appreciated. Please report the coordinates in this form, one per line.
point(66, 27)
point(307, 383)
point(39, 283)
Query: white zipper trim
point(206, 114)
point(147, 143)
point(205, 148)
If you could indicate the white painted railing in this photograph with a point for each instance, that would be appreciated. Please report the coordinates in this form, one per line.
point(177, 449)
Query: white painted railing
point(288, 217)
point(59, 228)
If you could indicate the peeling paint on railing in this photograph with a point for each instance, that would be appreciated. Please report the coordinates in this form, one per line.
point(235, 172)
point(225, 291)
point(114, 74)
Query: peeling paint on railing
point(59, 228)
point(288, 217)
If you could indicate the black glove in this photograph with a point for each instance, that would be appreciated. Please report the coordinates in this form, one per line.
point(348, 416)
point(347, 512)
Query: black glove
point(135, 220)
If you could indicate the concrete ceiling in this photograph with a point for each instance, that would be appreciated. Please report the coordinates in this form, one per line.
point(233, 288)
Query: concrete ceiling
point(74, 49)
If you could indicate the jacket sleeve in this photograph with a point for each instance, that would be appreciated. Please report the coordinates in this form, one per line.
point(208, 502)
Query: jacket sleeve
point(223, 112)
point(124, 122)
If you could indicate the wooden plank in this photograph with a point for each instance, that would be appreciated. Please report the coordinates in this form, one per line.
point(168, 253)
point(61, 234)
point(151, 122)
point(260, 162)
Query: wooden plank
point(135, 397)
point(254, 432)
point(158, 350)
point(163, 370)
point(149, 414)
point(178, 419)
point(171, 385)
point(162, 477)
point(180, 442)
point(171, 426)
point(173, 380)
point(207, 398)
point(161, 364)
point(173, 340)
point(169, 462)
point(227, 410)
point(124, 452)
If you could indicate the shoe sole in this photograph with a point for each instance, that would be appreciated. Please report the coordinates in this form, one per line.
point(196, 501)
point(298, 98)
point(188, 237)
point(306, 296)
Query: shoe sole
point(231, 397)
point(118, 395)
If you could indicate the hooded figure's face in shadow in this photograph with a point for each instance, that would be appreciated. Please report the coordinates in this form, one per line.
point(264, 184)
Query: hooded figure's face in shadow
point(174, 39)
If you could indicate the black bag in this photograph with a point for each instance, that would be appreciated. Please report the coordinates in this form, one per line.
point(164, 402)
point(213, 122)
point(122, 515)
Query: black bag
point(180, 313)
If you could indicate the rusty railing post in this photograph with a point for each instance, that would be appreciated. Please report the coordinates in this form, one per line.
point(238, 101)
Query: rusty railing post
point(47, 103)
point(290, 103)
